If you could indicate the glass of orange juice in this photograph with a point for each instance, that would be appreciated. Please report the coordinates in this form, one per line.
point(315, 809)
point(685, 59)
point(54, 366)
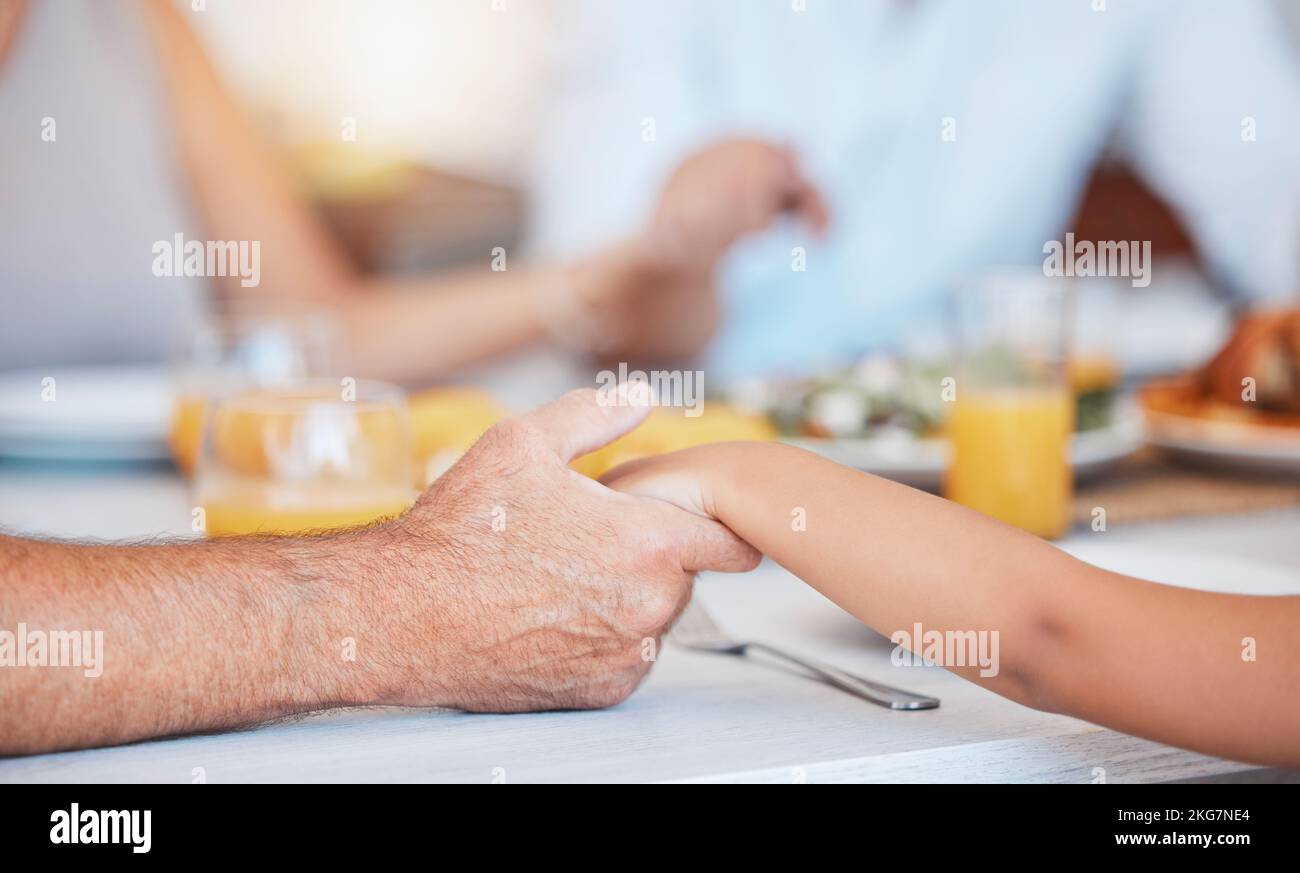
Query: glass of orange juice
point(1012, 419)
point(251, 343)
point(317, 457)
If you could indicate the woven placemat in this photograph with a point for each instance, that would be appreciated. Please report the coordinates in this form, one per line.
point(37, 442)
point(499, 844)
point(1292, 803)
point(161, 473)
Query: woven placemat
point(1151, 485)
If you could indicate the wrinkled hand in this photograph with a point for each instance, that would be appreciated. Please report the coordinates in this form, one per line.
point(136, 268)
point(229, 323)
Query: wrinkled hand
point(526, 586)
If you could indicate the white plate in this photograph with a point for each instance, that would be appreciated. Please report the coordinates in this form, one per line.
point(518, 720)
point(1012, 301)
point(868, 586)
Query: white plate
point(921, 462)
point(1234, 445)
point(85, 413)
point(1205, 571)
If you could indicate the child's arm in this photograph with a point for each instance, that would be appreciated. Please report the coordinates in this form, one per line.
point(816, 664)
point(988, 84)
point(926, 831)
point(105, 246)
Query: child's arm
point(1147, 659)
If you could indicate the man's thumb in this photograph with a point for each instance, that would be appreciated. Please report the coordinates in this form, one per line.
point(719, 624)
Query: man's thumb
point(584, 420)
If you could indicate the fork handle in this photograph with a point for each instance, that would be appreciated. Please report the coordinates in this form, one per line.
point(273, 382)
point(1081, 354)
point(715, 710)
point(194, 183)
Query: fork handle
point(884, 695)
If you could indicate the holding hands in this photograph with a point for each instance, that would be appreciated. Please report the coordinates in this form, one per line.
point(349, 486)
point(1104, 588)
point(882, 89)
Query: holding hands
point(520, 584)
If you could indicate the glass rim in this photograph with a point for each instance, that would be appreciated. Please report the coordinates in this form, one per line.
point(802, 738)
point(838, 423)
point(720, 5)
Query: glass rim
point(293, 398)
point(220, 327)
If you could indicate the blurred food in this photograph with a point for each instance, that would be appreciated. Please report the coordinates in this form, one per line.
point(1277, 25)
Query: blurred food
point(887, 415)
point(669, 429)
point(1253, 380)
point(879, 394)
point(1242, 409)
point(445, 422)
point(888, 397)
point(1095, 380)
point(1266, 348)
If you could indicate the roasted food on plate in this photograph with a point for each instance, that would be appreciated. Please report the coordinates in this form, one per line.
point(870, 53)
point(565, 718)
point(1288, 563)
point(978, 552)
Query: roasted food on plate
point(1253, 380)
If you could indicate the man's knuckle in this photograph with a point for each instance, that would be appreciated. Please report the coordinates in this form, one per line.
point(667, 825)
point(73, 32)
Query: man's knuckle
point(651, 549)
point(658, 608)
point(507, 434)
point(582, 396)
point(507, 448)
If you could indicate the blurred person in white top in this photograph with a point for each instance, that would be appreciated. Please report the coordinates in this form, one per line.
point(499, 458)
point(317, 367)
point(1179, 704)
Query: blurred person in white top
point(945, 136)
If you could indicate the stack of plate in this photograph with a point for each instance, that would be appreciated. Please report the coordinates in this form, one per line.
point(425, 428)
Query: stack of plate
point(85, 413)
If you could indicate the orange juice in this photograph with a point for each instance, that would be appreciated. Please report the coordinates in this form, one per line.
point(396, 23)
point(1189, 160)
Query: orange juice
point(186, 434)
point(248, 511)
point(1010, 456)
point(307, 458)
point(254, 438)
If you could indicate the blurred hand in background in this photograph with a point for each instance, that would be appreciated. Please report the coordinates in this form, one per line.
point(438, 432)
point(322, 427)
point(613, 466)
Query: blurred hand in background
point(663, 284)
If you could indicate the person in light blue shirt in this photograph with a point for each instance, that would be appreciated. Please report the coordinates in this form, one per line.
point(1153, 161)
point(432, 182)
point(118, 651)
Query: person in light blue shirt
point(946, 136)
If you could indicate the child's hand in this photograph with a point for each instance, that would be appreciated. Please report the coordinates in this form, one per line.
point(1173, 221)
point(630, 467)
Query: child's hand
point(679, 478)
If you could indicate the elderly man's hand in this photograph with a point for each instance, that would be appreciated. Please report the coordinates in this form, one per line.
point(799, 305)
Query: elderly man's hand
point(517, 584)
point(513, 584)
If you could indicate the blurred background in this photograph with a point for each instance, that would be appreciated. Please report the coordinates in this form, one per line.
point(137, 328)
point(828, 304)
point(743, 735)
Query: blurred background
point(455, 102)
point(458, 92)
point(429, 136)
point(448, 98)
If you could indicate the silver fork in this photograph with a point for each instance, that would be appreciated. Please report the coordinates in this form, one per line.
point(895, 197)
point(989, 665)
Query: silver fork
point(697, 630)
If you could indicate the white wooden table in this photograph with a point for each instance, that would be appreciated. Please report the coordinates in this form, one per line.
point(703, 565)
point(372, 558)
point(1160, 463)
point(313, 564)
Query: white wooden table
point(699, 717)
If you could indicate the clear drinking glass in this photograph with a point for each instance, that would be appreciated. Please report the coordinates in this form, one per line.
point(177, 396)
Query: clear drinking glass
point(254, 343)
point(1012, 421)
point(322, 456)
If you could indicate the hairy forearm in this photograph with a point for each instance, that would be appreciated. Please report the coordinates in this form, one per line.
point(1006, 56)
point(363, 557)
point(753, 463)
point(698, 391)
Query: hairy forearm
point(1153, 660)
point(194, 637)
